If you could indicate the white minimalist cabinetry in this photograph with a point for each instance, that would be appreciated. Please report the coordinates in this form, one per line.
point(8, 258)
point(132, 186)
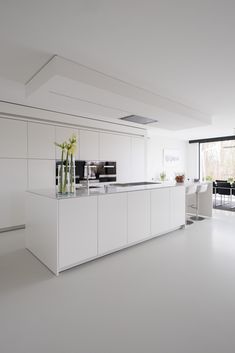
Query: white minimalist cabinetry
point(177, 206)
point(137, 159)
point(12, 192)
point(63, 134)
point(41, 174)
point(160, 210)
point(117, 148)
point(13, 169)
point(41, 141)
point(138, 215)
point(77, 239)
point(66, 232)
point(13, 138)
point(112, 222)
point(89, 145)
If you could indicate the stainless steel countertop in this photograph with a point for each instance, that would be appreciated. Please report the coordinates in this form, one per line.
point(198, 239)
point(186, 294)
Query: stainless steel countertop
point(111, 189)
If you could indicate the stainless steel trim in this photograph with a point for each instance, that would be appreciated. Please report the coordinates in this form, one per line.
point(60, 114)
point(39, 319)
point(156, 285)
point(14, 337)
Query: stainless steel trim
point(9, 229)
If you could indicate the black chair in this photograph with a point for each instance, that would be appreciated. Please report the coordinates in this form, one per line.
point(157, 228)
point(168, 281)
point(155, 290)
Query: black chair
point(223, 189)
point(233, 186)
point(214, 187)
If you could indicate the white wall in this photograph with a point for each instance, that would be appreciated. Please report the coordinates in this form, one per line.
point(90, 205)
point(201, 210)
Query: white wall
point(193, 160)
point(155, 148)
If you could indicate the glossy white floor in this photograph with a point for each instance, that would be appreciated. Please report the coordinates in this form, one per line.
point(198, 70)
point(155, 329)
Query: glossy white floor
point(174, 294)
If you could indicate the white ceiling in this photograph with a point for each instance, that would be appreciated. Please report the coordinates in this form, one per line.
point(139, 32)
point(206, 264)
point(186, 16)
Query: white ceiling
point(182, 50)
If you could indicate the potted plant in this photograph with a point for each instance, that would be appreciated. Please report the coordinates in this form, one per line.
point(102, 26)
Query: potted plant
point(162, 176)
point(179, 178)
point(209, 178)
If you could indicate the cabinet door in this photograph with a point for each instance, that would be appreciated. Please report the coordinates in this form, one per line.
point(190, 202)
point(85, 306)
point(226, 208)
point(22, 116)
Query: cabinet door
point(177, 206)
point(63, 134)
point(138, 215)
point(41, 141)
point(138, 159)
point(117, 148)
point(89, 145)
point(77, 230)
point(13, 138)
point(112, 222)
point(12, 190)
point(160, 211)
point(41, 174)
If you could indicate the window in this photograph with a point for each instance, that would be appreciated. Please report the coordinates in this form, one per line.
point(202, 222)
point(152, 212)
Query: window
point(217, 159)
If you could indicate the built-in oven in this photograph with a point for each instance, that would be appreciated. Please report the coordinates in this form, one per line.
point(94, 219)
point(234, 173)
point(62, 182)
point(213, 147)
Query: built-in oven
point(97, 171)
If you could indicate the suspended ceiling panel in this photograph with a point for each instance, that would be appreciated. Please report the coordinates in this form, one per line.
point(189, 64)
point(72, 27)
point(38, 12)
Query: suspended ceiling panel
point(80, 90)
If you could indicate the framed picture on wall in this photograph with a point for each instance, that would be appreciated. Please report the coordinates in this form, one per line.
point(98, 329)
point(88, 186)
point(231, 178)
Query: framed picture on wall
point(171, 162)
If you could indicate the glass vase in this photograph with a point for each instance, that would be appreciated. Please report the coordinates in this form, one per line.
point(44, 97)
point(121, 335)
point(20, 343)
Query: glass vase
point(72, 175)
point(62, 184)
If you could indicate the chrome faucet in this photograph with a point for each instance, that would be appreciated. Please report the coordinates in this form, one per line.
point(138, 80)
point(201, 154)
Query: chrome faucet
point(89, 174)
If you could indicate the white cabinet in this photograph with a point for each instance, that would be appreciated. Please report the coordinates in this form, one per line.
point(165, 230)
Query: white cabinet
point(89, 145)
point(138, 215)
point(160, 210)
point(177, 206)
point(41, 229)
point(63, 233)
point(13, 138)
point(117, 148)
point(41, 141)
point(12, 192)
point(138, 159)
point(41, 174)
point(77, 230)
point(63, 134)
point(112, 222)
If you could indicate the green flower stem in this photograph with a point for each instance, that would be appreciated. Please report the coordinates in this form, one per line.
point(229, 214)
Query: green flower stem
point(71, 173)
point(61, 172)
point(66, 172)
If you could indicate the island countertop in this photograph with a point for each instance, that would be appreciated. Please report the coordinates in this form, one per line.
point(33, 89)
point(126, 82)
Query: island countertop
point(102, 190)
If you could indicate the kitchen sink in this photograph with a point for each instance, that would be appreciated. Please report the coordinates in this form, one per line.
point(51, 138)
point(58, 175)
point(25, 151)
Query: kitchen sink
point(90, 187)
point(136, 183)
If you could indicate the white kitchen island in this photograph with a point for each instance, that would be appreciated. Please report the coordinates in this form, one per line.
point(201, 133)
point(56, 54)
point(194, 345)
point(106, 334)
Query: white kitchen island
point(63, 232)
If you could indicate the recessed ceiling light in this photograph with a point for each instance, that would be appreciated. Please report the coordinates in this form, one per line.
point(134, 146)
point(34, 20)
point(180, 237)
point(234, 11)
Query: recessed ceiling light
point(138, 119)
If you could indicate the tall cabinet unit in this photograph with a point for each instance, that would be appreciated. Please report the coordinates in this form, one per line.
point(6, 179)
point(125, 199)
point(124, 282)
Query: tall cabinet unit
point(41, 156)
point(41, 141)
point(138, 151)
point(89, 145)
point(13, 159)
point(117, 148)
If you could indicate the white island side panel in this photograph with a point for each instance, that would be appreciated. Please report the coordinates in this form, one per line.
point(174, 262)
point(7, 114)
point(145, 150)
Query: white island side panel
point(41, 229)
